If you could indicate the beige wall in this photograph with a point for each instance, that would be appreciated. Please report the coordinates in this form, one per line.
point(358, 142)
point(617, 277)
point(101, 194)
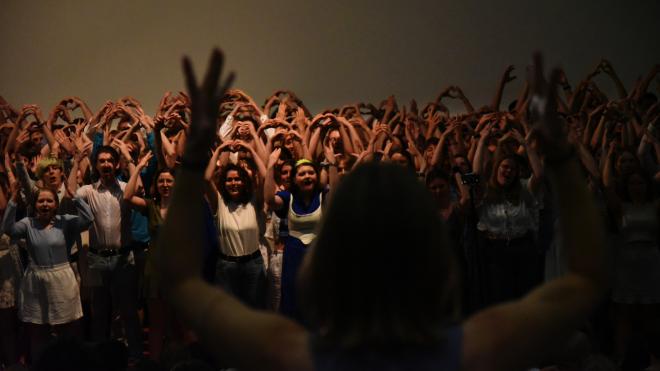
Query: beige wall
point(328, 52)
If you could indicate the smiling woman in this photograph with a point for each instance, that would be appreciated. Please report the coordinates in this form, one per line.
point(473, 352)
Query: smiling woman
point(49, 293)
point(508, 218)
point(302, 207)
point(241, 223)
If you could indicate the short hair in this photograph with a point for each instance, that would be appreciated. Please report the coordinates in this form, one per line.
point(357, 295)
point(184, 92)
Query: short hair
point(107, 149)
point(381, 271)
point(46, 162)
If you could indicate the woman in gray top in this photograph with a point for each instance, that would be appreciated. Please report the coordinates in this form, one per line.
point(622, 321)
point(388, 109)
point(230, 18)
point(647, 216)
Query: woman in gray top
point(49, 295)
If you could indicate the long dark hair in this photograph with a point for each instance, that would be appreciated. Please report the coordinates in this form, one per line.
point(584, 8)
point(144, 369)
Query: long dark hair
point(381, 272)
point(246, 192)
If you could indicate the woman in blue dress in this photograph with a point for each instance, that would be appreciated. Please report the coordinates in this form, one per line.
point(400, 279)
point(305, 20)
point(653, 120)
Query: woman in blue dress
point(302, 206)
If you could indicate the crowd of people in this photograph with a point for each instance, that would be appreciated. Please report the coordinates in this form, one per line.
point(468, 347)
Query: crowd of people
point(89, 249)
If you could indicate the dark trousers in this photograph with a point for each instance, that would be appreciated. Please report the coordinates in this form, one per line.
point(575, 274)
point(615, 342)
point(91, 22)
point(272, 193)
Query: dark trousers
point(245, 280)
point(511, 268)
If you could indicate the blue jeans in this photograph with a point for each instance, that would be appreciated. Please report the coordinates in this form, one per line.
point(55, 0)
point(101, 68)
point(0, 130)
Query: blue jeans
point(245, 280)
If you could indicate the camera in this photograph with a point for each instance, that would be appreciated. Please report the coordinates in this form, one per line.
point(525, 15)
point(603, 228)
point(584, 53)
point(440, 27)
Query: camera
point(470, 179)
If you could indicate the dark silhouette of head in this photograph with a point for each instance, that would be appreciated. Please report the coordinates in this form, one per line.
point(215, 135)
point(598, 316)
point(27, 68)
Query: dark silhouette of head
point(380, 272)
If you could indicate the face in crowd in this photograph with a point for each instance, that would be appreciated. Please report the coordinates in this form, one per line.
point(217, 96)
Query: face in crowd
point(343, 167)
point(165, 184)
point(306, 178)
point(46, 205)
point(507, 172)
point(334, 139)
point(234, 184)
point(285, 175)
point(106, 166)
point(439, 188)
point(52, 176)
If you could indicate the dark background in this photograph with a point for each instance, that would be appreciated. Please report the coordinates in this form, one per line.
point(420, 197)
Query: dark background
point(328, 52)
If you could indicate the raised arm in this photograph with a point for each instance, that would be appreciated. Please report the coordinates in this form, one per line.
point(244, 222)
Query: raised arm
point(131, 186)
point(521, 334)
point(242, 337)
point(333, 176)
point(606, 67)
point(506, 78)
point(9, 224)
point(479, 161)
point(26, 183)
point(273, 201)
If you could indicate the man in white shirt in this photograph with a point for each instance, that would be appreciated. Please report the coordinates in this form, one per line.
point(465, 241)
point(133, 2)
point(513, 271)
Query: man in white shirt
point(113, 277)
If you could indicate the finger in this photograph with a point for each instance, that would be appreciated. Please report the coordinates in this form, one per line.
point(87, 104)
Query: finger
point(555, 77)
point(537, 73)
point(191, 81)
point(213, 73)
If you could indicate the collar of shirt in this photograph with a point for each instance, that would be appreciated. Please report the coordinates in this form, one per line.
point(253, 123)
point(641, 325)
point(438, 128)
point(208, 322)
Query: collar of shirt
point(99, 185)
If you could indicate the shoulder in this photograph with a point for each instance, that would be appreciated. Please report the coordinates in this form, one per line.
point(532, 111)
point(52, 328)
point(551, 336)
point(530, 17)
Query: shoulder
point(284, 195)
point(65, 218)
point(27, 221)
point(85, 190)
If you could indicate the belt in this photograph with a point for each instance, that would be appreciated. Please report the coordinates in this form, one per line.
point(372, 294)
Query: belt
point(504, 237)
point(242, 258)
point(109, 252)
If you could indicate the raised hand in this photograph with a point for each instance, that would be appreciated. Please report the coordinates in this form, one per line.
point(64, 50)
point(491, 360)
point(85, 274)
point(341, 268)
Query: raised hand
point(204, 103)
point(543, 106)
point(507, 74)
point(606, 67)
point(274, 157)
point(144, 161)
point(455, 92)
point(328, 151)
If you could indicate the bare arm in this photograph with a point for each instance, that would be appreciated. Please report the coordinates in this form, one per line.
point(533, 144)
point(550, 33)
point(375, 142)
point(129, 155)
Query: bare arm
point(479, 161)
point(520, 334)
point(240, 336)
point(131, 186)
point(273, 201)
point(506, 78)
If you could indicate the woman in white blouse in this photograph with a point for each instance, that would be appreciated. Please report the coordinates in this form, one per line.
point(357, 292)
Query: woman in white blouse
point(508, 218)
point(241, 225)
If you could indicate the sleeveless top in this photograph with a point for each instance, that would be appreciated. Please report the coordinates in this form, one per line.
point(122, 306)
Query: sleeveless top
point(303, 226)
point(445, 356)
point(238, 228)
